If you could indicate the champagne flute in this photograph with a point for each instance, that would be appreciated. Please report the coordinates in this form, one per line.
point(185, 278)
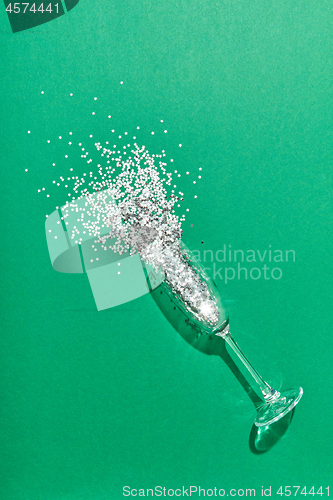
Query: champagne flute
point(197, 296)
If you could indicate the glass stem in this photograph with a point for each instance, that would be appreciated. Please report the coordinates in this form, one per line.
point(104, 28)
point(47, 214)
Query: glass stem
point(268, 392)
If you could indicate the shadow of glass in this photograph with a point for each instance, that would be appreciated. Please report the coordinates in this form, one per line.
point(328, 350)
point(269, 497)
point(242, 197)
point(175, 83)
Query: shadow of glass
point(261, 439)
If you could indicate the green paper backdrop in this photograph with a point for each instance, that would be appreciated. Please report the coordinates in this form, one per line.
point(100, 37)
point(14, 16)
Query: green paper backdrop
point(94, 401)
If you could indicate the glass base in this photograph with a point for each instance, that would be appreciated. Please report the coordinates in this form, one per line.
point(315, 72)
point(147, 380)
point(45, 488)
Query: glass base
point(278, 408)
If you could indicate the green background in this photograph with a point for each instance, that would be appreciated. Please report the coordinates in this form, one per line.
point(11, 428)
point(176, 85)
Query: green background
point(93, 401)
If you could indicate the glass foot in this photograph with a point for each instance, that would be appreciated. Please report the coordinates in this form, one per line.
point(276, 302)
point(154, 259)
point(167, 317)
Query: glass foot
point(279, 407)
